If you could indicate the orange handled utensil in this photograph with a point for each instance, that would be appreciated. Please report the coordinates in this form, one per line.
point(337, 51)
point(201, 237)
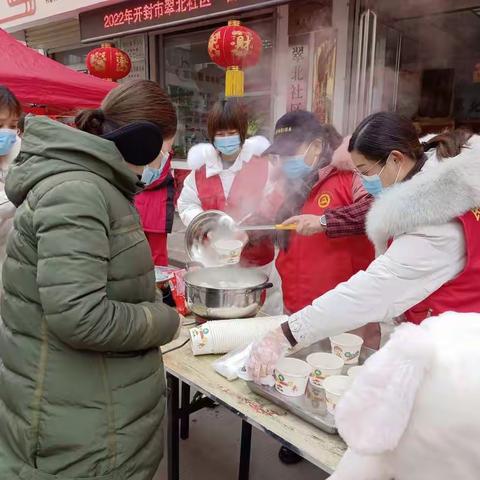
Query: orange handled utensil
point(279, 226)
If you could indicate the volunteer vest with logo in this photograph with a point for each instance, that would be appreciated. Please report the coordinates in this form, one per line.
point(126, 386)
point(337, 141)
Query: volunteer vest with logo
point(462, 293)
point(314, 265)
point(245, 197)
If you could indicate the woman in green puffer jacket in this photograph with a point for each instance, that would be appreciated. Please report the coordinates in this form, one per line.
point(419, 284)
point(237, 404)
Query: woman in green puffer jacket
point(82, 384)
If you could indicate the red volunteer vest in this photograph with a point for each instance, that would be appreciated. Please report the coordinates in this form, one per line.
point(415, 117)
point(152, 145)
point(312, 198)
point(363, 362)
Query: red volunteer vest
point(314, 265)
point(460, 294)
point(245, 197)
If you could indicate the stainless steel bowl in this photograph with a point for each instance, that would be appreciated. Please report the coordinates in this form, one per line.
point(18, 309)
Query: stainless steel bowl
point(225, 292)
point(198, 248)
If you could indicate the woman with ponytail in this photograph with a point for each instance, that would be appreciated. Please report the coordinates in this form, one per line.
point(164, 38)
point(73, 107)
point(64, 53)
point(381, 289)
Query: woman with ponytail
point(425, 225)
point(82, 385)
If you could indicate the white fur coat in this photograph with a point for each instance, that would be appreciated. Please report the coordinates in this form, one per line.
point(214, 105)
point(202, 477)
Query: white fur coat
point(412, 413)
point(444, 190)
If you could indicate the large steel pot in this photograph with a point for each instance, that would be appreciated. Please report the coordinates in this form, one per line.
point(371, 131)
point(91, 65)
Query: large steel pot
point(225, 292)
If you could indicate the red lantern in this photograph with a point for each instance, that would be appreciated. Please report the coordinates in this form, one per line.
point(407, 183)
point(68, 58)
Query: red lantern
point(234, 47)
point(108, 62)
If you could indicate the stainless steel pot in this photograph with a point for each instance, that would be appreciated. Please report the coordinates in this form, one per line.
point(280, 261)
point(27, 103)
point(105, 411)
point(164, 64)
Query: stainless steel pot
point(225, 292)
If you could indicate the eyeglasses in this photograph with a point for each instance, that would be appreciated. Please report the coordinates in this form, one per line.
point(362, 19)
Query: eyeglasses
point(372, 167)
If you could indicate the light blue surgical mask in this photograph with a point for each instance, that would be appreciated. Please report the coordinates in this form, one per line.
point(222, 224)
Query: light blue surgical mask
point(151, 175)
point(8, 138)
point(228, 145)
point(373, 184)
point(294, 167)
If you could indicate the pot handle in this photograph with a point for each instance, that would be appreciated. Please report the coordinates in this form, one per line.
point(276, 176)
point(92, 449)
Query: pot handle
point(259, 287)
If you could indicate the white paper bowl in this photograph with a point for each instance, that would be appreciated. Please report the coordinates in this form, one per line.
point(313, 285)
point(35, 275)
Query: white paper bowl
point(347, 346)
point(335, 386)
point(315, 396)
point(324, 365)
point(291, 377)
point(228, 251)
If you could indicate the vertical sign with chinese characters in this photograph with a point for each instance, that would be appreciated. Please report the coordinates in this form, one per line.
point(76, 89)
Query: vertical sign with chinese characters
point(324, 76)
point(298, 84)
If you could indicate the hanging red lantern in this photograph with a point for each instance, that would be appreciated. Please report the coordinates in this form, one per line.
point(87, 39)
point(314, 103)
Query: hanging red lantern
point(234, 47)
point(108, 62)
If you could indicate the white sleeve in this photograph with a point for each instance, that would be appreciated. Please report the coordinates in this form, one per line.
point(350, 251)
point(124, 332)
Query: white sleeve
point(415, 265)
point(189, 205)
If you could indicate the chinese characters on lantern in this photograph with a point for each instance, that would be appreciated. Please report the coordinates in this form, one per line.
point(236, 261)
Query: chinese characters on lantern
point(297, 93)
point(153, 11)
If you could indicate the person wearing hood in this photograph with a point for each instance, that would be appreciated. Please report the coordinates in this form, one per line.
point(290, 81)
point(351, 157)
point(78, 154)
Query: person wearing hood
point(230, 174)
point(10, 114)
point(425, 225)
point(82, 384)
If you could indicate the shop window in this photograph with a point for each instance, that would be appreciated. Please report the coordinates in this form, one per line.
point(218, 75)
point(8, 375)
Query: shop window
point(74, 59)
point(195, 83)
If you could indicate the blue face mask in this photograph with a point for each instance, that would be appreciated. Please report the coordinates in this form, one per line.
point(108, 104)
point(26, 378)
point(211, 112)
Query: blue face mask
point(8, 138)
point(150, 174)
point(228, 145)
point(295, 167)
point(373, 184)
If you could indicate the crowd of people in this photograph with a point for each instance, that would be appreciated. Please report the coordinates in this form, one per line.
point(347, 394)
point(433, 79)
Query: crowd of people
point(386, 230)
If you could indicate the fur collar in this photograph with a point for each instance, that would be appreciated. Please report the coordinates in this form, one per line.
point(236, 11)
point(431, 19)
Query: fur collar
point(205, 154)
point(443, 190)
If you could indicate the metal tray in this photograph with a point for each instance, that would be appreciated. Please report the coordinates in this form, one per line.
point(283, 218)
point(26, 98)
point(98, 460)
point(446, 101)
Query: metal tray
point(314, 412)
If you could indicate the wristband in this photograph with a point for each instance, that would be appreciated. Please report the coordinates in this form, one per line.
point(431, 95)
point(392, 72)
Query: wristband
point(288, 334)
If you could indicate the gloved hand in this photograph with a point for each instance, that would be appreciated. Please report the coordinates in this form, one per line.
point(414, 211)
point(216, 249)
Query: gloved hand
point(265, 354)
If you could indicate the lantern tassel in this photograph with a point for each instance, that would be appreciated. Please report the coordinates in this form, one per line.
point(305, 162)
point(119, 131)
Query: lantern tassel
point(234, 82)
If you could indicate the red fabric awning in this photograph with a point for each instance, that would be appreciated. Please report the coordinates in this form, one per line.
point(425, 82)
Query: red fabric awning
point(36, 79)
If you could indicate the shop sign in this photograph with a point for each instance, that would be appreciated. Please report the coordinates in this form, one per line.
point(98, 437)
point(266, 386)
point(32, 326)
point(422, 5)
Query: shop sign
point(298, 85)
point(18, 14)
point(144, 15)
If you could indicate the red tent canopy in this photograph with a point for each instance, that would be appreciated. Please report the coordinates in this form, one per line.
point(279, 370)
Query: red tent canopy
point(36, 79)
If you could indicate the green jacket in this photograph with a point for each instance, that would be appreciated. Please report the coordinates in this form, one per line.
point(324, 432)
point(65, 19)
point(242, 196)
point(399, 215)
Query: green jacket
point(82, 385)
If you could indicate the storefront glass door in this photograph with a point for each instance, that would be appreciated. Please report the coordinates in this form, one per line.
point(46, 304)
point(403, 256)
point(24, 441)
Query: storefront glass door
point(377, 50)
point(419, 58)
point(195, 83)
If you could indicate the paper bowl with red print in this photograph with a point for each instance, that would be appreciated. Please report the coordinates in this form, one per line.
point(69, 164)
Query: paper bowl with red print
point(291, 377)
point(335, 386)
point(324, 365)
point(347, 346)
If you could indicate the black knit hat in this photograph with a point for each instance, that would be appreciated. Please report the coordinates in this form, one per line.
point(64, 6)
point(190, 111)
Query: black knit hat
point(139, 143)
point(292, 130)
